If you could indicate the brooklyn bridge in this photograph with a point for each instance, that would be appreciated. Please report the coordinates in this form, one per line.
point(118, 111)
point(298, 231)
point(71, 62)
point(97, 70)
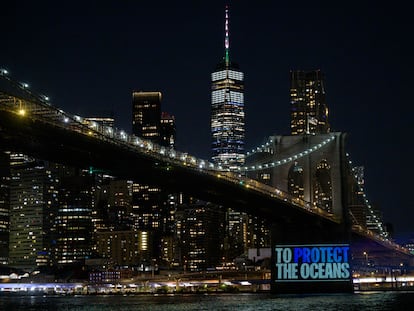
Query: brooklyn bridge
point(29, 123)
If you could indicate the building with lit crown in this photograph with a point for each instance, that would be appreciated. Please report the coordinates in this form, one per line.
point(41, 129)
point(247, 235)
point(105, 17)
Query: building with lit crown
point(227, 110)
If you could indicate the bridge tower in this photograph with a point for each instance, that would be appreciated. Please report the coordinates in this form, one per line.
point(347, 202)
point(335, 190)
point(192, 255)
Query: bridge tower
point(313, 169)
point(309, 167)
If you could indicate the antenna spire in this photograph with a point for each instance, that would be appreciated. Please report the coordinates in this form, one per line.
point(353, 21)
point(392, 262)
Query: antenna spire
point(226, 39)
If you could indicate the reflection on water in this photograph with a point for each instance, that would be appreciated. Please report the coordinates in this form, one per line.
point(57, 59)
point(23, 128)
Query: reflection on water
point(256, 302)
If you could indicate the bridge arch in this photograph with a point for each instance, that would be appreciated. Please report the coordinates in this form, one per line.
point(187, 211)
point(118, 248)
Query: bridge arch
point(296, 180)
point(322, 186)
point(306, 166)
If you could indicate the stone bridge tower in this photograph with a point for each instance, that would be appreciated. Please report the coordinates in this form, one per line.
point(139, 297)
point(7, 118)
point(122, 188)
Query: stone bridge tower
point(308, 167)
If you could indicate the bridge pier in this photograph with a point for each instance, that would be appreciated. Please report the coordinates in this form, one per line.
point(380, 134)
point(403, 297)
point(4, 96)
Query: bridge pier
point(310, 257)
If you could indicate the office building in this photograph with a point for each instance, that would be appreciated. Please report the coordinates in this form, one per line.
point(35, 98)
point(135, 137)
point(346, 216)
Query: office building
point(309, 112)
point(168, 130)
point(199, 232)
point(73, 220)
point(227, 110)
point(150, 208)
point(146, 115)
point(33, 203)
point(228, 133)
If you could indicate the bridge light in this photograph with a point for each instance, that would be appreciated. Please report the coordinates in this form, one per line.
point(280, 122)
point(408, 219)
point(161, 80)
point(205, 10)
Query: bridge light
point(44, 97)
point(66, 119)
point(24, 85)
point(22, 112)
point(3, 71)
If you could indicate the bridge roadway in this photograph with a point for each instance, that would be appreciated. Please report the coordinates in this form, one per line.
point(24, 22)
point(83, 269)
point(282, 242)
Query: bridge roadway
point(29, 124)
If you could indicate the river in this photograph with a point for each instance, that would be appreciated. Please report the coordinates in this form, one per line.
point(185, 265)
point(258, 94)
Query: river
point(255, 302)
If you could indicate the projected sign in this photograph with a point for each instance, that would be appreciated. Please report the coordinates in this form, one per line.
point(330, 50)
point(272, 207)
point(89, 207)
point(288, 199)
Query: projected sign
point(316, 262)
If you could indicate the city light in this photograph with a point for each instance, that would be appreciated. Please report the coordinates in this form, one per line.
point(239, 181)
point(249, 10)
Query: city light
point(169, 158)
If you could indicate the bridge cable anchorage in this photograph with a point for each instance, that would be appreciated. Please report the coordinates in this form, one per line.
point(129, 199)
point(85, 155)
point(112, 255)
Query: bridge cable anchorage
point(285, 160)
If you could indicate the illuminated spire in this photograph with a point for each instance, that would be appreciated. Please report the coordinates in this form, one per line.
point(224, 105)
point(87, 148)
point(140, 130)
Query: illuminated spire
point(226, 39)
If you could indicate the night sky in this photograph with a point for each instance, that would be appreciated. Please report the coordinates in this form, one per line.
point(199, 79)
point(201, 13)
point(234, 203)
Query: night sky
point(89, 56)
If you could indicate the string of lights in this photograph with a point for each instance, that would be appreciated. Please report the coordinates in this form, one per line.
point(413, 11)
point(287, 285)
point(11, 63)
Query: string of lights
point(286, 160)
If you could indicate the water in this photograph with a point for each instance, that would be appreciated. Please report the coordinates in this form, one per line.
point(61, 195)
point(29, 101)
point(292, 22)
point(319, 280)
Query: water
point(255, 302)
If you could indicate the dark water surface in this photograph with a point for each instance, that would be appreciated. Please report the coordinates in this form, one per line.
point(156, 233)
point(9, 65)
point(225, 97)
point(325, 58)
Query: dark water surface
point(336, 302)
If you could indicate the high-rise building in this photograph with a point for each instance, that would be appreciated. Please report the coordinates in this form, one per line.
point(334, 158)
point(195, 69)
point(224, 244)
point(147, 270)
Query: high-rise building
point(150, 207)
point(146, 115)
point(168, 131)
point(4, 207)
point(199, 233)
point(73, 219)
point(228, 133)
point(227, 109)
point(309, 112)
point(33, 202)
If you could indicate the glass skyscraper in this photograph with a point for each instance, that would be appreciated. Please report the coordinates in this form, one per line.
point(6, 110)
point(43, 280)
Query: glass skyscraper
point(227, 110)
point(309, 112)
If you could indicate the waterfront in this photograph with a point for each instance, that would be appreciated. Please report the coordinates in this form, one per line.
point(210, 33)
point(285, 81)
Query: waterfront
point(246, 301)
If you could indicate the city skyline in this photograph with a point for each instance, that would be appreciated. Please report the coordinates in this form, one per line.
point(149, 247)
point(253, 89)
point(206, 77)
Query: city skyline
point(88, 58)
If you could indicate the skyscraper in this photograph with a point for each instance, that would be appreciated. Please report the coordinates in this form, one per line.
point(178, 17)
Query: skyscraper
point(33, 202)
point(227, 130)
point(227, 109)
point(146, 115)
point(309, 112)
point(149, 203)
point(168, 130)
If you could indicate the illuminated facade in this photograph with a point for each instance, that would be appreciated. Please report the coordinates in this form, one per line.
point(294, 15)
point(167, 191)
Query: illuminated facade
point(73, 220)
point(102, 121)
point(227, 111)
point(122, 247)
point(309, 112)
point(33, 201)
point(199, 233)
